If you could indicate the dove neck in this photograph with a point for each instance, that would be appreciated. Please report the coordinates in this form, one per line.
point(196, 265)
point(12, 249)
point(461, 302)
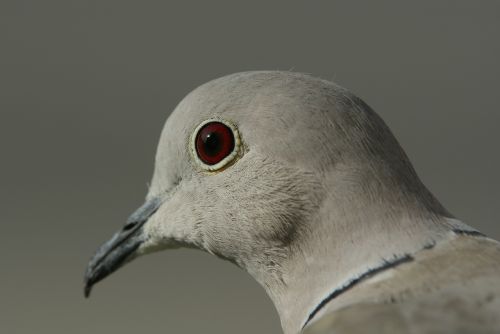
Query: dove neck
point(343, 249)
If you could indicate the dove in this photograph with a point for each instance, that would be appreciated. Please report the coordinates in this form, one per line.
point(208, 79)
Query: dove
point(301, 184)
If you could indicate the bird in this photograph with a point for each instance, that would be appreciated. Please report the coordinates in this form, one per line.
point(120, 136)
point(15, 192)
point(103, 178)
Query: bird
point(300, 183)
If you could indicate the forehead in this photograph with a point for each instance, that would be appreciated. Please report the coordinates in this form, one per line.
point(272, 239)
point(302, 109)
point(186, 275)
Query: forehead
point(253, 95)
point(259, 104)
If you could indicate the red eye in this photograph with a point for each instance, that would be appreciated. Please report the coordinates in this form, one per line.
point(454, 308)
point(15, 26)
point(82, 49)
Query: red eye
point(214, 142)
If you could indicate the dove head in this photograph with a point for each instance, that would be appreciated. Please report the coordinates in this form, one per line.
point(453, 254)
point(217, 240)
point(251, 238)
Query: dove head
point(276, 171)
point(299, 141)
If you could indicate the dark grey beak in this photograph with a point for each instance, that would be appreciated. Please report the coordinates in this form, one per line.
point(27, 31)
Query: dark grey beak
point(121, 247)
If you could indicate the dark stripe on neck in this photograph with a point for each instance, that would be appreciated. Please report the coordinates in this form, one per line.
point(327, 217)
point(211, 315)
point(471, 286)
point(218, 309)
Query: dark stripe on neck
point(351, 283)
point(473, 233)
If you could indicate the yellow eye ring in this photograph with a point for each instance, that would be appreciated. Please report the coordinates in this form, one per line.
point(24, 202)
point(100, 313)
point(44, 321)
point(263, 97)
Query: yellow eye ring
point(215, 143)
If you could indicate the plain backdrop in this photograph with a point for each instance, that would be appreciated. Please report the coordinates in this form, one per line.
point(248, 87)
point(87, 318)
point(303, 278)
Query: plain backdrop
point(85, 87)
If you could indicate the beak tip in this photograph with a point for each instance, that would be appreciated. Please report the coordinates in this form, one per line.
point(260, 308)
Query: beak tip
point(88, 282)
point(87, 286)
point(87, 290)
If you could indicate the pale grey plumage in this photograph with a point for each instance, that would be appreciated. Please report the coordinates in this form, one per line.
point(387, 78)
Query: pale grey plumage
point(452, 288)
point(320, 195)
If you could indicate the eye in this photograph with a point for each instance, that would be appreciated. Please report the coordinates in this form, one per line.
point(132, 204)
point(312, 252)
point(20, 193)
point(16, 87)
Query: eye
point(215, 144)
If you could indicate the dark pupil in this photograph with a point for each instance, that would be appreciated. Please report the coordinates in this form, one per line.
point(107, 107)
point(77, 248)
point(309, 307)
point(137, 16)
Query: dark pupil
point(212, 144)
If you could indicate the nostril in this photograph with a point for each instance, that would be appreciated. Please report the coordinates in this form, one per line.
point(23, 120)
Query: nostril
point(128, 226)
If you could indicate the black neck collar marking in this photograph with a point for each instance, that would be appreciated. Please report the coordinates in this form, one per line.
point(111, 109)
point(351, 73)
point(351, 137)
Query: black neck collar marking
point(372, 272)
point(351, 283)
point(473, 233)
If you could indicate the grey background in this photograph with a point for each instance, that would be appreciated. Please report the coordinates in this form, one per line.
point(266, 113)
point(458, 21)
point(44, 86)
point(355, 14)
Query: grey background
point(85, 87)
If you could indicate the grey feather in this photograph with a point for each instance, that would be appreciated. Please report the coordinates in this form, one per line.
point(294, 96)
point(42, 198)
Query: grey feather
point(323, 208)
point(451, 289)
